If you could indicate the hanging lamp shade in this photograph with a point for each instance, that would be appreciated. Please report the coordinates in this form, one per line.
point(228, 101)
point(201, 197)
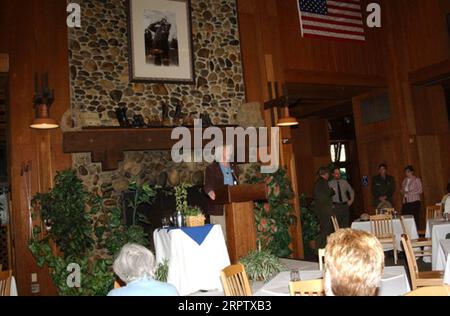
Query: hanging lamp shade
point(42, 120)
point(287, 120)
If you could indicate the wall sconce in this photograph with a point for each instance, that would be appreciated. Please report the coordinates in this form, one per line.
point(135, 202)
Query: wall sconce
point(42, 101)
point(287, 120)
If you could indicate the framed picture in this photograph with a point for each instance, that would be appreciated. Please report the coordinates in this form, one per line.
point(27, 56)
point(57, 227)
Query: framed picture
point(160, 40)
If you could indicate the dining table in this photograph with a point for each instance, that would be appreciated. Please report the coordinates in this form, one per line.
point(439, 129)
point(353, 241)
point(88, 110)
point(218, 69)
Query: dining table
point(437, 229)
point(394, 282)
point(195, 257)
point(443, 259)
point(410, 225)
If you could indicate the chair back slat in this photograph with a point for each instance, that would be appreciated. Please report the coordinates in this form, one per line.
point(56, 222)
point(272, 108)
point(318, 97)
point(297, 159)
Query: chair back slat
point(307, 288)
point(404, 228)
point(434, 212)
point(5, 283)
point(335, 223)
point(235, 281)
point(321, 255)
point(411, 259)
point(382, 226)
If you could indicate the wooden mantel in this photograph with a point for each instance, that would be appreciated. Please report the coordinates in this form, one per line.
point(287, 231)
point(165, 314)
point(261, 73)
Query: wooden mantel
point(107, 145)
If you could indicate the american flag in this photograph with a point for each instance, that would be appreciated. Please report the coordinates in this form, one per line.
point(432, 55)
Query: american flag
point(338, 19)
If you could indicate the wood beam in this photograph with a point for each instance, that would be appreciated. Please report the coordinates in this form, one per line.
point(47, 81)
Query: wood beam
point(330, 78)
point(107, 145)
point(431, 75)
point(4, 63)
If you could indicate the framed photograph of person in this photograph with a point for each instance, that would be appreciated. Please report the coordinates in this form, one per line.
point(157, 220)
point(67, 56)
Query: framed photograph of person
point(160, 40)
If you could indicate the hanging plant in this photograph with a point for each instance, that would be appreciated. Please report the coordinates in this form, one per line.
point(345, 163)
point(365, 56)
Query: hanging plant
point(274, 217)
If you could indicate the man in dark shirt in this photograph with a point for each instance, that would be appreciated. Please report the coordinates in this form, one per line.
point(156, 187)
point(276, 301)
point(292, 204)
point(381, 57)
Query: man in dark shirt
point(383, 187)
point(323, 205)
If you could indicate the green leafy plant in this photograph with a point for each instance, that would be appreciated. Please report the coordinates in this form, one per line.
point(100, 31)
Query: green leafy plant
point(310, 226)
point(274, 217)
point(82, 230)
point(181, 197)
point(192, 211)
point(310, 223)
point(162, 271)
point(262, 265)
point(182, 203)
point(142, 194)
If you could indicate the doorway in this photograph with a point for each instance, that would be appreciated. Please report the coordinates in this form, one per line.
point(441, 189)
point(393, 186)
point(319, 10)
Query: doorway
point(344, 155)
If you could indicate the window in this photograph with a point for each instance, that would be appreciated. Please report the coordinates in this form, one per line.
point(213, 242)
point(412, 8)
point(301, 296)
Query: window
point(338, 152)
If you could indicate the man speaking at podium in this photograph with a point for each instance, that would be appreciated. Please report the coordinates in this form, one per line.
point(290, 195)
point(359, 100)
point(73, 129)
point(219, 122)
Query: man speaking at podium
point(219, 173)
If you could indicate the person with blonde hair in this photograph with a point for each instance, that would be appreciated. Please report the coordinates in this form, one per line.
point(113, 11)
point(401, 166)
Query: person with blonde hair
point(354, 263)
point(135, 265)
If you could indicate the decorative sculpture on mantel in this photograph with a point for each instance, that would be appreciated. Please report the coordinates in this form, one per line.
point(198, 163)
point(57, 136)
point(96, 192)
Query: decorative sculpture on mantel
point(206, 119)
point(121, 114)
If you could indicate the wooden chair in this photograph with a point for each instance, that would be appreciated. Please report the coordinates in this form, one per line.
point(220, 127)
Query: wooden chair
point(419, 244)
point(430, 291)
point(432, 212)
point(382, 227)
point(335, 223)
point(307, 288)
point(5, 283)
point(419, 279)
point(235, 281)
point(321, 255)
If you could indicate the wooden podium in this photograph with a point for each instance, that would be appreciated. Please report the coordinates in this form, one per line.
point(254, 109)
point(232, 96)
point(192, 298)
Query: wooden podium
point(240, 218)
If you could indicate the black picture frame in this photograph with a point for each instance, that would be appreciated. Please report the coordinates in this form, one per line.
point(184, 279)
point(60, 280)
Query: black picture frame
point(162, 61)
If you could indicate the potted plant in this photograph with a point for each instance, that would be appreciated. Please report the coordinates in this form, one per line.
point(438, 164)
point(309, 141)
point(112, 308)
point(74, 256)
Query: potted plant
point(262, 265)
point(162, 271)
point(83, 230)
point(310, 224)
point(193, 215)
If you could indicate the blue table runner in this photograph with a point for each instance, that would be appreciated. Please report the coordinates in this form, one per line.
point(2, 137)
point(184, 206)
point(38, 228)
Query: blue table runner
point(198, 234)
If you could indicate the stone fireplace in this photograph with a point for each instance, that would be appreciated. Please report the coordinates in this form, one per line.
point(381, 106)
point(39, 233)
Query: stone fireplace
point(98, 59)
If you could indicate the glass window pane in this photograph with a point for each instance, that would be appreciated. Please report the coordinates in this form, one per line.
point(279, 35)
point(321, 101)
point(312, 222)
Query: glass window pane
point(343, 157)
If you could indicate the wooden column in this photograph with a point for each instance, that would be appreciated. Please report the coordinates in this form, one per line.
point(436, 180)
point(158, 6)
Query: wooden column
point(35, 45)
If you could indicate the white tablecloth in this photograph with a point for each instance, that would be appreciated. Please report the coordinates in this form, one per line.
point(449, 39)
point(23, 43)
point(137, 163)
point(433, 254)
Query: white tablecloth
point(398, 230)
point(443, 259)
point(192, 267)
point(436, 230)
point(393, 283)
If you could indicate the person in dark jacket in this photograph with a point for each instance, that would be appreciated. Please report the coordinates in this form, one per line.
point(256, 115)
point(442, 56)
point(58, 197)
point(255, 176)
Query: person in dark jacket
point(219, 173)
point(323, 205)
point(383, 187)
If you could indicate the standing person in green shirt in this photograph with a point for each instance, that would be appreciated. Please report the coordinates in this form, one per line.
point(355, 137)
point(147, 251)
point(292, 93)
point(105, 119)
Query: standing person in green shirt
point(323, 205)
point(383, 187)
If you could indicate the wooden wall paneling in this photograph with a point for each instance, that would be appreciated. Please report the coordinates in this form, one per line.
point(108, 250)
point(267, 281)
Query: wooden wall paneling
point(252, 50)
point(36, 44)
point(329, 56)
point(431, 166)
point(4, 63)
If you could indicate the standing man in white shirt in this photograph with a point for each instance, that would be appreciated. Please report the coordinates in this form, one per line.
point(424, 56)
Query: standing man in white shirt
point(343, 199)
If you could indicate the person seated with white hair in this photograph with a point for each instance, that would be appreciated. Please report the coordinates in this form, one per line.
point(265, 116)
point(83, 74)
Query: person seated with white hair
point(135, 265)
point(354, 263)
